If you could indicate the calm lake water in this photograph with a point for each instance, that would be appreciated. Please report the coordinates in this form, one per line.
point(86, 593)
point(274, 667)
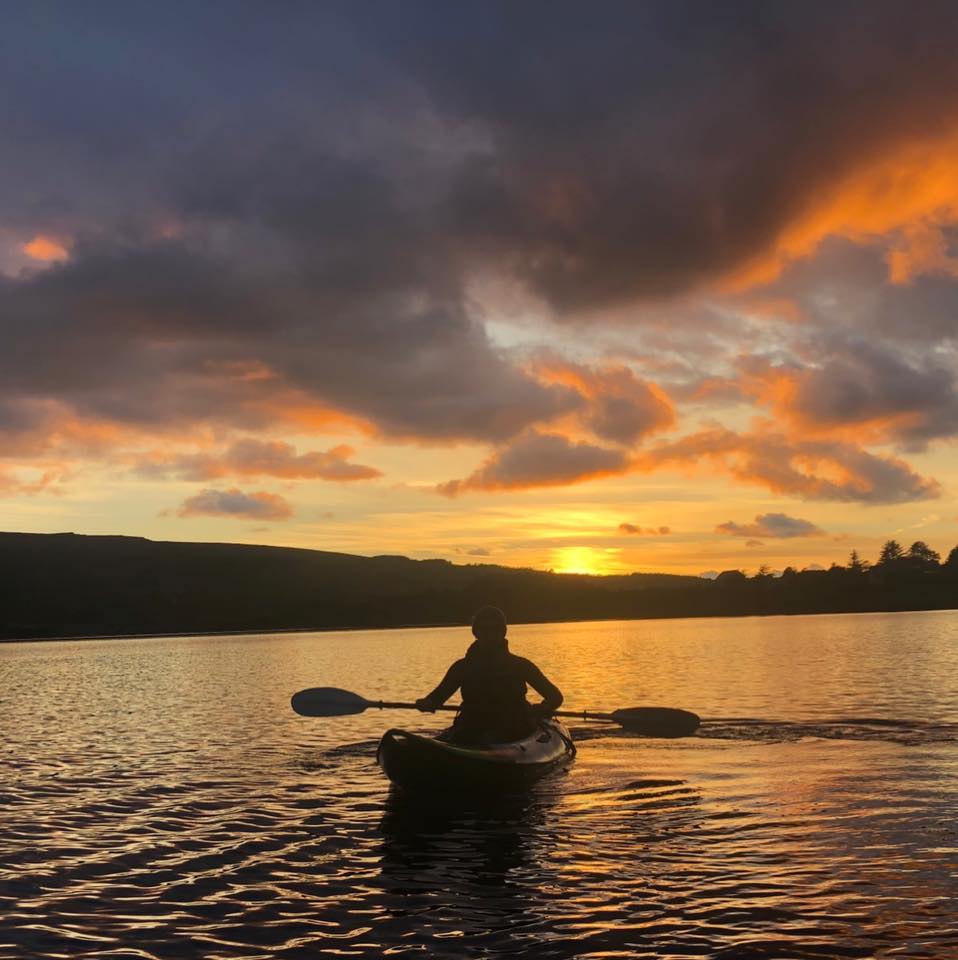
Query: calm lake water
point(158, 798)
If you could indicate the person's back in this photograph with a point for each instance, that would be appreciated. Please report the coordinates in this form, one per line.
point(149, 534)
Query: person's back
point(493, 683)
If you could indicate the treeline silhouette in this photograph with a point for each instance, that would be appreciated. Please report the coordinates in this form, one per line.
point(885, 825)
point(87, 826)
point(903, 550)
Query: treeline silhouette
point(65, 585)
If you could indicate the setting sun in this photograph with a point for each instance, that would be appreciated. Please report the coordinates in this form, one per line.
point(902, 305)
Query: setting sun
point(580, 560)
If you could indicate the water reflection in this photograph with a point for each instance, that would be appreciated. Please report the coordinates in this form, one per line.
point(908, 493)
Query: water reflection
point(481, 843)
point(471, 871)
point(185, 811)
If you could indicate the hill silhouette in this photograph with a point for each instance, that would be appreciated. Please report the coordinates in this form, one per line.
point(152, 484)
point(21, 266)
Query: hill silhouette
point(68, 585)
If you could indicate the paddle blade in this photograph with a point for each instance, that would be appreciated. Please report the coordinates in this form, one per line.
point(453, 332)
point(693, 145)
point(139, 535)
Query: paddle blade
point(328, 702)
point(657, 721)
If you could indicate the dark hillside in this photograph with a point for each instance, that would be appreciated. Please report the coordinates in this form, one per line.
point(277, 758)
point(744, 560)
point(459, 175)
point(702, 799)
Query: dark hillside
point(70, 585)
point(61, 585)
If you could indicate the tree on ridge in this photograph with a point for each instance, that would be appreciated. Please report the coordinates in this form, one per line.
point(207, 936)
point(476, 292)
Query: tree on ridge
point(890, 552)
point(923, 556)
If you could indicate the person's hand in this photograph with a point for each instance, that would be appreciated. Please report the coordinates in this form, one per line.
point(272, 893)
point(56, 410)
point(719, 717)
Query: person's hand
point(424, 705)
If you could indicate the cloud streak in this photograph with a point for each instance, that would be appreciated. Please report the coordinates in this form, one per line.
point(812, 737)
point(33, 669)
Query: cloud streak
point(636, 530)
point(256, 458)
point(236, 503)
point(778, 526)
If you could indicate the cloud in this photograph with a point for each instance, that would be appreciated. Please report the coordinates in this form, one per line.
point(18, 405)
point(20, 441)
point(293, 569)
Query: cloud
point(846, 288)
point(47, 480)
point(860, 389)
point(296, 238)
point(163, 333)
point(754, 543)
point(251, 457)
point(772, 526)
point(540, 460)
point(633, 529)
point(591, 169)
point(45, 249)
point(809, 469)
point(619, 406)
point(236, 503)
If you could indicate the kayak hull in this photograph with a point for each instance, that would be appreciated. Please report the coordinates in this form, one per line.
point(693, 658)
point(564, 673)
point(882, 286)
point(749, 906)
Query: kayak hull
point(414, 762)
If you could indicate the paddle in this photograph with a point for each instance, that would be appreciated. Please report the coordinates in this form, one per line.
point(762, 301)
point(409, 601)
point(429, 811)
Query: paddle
point(648, 721)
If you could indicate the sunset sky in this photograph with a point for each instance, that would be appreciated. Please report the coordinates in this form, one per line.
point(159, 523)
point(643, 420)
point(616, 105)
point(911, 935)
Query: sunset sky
point(653, 286)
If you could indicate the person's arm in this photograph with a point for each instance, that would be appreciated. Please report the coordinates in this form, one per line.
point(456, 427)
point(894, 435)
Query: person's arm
point(550, 693)
point(447, 687)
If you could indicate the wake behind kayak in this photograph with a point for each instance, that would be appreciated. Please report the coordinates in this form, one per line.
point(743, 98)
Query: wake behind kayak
point(415, 762)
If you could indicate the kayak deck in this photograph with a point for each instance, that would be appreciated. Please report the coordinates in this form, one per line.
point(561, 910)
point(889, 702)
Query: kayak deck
point(416, 762)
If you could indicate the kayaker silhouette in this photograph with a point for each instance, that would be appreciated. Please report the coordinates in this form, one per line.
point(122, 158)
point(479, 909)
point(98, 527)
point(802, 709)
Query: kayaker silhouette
point(493, 683)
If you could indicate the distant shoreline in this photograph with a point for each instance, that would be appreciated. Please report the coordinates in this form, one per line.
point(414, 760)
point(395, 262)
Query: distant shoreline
point(64, 587)
point(224, 633)
point(438, 626)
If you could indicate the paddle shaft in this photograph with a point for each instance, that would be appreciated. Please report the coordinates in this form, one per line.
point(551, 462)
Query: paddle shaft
point(454, 707)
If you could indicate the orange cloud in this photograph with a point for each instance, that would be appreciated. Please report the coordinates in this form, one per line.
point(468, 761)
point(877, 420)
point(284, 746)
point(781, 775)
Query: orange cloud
point(856, 392)
point(922, 248)
point(908, 194)
point(826, 469)
point(540, 460)
point(46, 249)
point(303, 413)
point(48, 482)
point(812, 470)
point(253, 458)
point(619, 407)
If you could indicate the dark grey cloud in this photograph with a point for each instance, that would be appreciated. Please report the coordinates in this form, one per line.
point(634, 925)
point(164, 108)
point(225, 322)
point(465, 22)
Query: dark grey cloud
point(773, 526)
point(236, 503)
point(272, 206)
point(641, 148)
point(848, 286)
point(637, 530)
point(540, 460)
point(167, 334)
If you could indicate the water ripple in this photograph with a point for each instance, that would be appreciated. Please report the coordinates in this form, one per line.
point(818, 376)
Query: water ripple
point(199, 826)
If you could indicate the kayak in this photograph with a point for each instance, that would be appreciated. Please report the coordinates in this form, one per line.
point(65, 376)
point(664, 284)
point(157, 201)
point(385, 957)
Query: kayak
point(415, 762)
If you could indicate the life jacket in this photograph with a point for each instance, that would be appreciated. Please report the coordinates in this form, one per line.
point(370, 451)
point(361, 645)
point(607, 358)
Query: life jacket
point(494, 705)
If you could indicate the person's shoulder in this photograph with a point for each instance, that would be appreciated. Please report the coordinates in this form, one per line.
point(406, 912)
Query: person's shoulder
point(524, 664)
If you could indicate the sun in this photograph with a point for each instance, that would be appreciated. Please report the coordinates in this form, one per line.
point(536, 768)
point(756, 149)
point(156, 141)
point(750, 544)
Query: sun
point(579, 560)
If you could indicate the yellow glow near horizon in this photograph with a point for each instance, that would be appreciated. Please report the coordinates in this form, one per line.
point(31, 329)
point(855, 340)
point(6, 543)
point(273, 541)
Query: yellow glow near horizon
point(579, 560)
